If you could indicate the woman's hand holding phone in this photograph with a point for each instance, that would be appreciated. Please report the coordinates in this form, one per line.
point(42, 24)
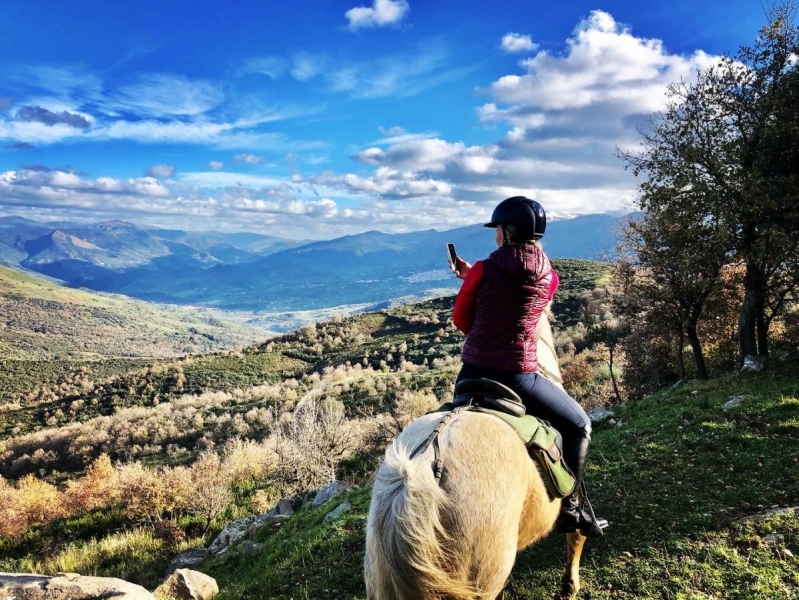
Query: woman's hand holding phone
point(456, 264)
point(461, 268)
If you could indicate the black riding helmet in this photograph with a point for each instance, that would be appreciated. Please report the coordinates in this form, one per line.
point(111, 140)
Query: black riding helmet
point(527, 216)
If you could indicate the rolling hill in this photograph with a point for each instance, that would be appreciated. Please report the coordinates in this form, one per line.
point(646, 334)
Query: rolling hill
point(40, 319)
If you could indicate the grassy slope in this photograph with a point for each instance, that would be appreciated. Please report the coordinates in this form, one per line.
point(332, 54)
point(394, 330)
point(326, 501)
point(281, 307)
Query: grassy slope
point(676, 480)
point(675, 532)
point(42, 320)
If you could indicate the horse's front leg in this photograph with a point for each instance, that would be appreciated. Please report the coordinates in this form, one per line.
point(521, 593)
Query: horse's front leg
point(570, 583)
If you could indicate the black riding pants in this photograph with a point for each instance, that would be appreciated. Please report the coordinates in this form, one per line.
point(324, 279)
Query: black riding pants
point(545, 400)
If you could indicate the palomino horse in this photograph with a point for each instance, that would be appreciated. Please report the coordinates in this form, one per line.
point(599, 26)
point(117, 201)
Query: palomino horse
point(458, 538)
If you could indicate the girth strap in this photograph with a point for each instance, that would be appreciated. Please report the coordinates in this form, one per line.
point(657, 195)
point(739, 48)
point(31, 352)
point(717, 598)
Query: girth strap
point(438, 464)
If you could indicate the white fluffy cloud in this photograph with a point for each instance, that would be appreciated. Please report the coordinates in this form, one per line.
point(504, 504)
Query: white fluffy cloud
point(604, 63)
point(517, 42)
point(381, 13)
point(216, 165)
point(161, 171)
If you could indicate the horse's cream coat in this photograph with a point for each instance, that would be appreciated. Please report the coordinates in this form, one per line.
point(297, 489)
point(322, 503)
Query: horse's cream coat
point(459, 539)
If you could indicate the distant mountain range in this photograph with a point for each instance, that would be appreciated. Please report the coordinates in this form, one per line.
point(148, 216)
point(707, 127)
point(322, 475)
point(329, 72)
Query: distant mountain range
point(248, 271)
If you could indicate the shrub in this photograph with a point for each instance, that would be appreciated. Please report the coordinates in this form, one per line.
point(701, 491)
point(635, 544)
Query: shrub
point(39, 500)
point(100, 487)
point(210, 492)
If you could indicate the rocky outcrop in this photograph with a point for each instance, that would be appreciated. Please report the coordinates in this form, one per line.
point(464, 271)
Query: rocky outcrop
point(245, 528)
point(182, 583)
point(68, 586)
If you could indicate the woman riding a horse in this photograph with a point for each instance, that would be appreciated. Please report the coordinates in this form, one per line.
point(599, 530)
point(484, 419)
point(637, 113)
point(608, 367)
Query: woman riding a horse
point(457, 496)
point(498, 308)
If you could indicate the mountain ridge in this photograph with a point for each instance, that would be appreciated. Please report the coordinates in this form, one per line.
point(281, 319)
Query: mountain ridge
point(210, 269)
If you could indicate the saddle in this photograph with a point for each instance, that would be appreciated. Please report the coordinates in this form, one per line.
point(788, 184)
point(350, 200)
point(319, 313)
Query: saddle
point(543, 442)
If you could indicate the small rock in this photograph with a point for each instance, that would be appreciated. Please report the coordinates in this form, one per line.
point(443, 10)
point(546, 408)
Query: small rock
point(191, 558)
point(264, 520)
point(734, 401)
point(694, 392)
point(283, 507)
point(768, 515)
point(337, 512)
point(599, 414)
point(330, 491)
point(751, 364)
point(185, 584)
point(620, 424)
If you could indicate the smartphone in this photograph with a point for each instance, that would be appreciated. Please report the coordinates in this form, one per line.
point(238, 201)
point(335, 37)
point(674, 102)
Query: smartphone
point(452, 256)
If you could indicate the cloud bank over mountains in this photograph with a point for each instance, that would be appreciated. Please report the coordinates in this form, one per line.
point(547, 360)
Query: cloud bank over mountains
point(548, 129)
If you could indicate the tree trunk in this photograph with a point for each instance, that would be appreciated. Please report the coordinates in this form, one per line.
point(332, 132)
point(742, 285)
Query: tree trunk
point(680, 361)
point(696, 346)
point(762, 331)
point(751, 308)
point(613, 376)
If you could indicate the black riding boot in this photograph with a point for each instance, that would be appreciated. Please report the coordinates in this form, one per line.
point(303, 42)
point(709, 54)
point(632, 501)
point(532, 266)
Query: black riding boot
point(573, 516)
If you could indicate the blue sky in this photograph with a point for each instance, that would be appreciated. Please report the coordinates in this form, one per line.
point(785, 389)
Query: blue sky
point(318, 119)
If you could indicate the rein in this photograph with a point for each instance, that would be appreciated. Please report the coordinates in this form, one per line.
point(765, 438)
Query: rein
point(438, 464)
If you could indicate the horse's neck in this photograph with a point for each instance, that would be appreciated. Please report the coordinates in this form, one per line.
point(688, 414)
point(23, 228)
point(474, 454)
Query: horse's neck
point(547, 358)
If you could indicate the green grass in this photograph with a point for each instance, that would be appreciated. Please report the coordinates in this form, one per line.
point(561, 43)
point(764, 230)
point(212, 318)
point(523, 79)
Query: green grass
point(677, 480)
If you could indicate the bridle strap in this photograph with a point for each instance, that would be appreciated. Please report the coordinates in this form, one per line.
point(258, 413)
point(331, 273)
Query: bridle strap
point(432, 439)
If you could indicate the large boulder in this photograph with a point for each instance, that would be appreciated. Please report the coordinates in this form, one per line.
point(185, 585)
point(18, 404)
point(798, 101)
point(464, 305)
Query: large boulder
point(68, 586)
point(185, 584)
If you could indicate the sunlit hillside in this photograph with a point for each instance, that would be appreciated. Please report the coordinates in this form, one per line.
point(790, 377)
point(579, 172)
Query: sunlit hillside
point(40, 319)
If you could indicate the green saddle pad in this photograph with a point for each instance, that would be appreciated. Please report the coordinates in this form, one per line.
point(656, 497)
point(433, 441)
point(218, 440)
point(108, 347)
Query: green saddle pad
point(541, 441)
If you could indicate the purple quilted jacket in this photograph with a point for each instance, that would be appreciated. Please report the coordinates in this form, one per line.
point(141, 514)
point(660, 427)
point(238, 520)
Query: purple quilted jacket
point(509, 301)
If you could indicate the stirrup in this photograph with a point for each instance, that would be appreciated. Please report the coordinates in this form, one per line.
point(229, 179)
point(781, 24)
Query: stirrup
point(597, 525)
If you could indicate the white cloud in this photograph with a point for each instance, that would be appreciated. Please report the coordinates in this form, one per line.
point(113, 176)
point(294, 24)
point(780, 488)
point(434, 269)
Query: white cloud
point(271, 66)
point(248, 159)
point(429, 155)
point(165, 95)
point(305, 66)
point(387, 183)
point(382, 12)
point(603, 64)
point(516, 42)
point(397, 135)
point(216, 165)
point(161, 171)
